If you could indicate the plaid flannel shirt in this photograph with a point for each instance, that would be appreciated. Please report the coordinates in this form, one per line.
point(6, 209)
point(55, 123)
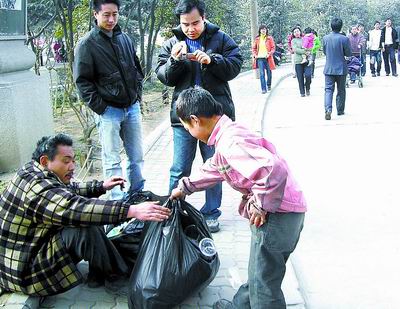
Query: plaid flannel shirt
point(33, 210)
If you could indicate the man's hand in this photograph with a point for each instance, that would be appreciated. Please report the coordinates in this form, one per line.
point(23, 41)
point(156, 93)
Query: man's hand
point(257, 216)
point(178, 50)
point(149, 211)
point(201, 57)
point(177, 194)
point(110, 183)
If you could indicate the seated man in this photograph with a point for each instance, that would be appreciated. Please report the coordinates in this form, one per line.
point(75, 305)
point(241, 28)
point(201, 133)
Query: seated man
point(48, 224)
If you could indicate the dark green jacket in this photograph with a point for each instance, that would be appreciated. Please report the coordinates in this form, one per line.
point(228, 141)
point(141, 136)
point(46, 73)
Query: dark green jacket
point(107, 71)
point(33, 209)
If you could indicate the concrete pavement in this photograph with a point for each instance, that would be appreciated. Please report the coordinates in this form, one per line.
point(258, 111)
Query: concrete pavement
point(349, 250)
point(234, 238)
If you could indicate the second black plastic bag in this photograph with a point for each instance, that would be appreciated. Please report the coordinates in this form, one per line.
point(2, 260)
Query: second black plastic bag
point(170, 266)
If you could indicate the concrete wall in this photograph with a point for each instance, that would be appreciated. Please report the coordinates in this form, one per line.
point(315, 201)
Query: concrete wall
point(25, 116)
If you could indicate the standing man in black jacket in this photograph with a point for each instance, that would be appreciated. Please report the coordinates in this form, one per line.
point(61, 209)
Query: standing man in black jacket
point(389, 44)
point(198, 55)
point(109, 79)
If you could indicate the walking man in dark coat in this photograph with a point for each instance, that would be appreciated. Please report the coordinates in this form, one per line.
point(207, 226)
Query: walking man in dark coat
point(336, 47)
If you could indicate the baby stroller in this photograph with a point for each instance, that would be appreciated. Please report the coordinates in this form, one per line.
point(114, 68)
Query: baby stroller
point(354, 65)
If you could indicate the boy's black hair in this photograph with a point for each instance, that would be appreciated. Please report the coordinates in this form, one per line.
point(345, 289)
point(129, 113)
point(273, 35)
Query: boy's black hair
point(186, 6)
point(262, 26)
point(47, 146)
point(377, 22)
point(336, 24)
point(308, 30)
point(98, 3)
point(198, 102)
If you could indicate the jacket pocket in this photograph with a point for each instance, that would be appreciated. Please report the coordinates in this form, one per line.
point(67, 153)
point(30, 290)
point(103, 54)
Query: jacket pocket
point(112, 84)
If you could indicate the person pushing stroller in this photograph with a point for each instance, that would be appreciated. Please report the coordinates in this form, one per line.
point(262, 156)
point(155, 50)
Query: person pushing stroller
point(357, 43)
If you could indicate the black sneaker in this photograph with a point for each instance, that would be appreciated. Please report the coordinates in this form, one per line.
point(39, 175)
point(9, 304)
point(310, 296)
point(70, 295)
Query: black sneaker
point(327, 115)
point(269, 88)
point(307, 93)
point(387, 74)
point(378, 74)
point(213, 225)
point(395, 74)
point(373, 75)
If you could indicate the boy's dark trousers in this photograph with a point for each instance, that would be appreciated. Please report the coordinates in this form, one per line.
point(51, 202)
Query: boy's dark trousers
point(271, 245)
point(91, 244)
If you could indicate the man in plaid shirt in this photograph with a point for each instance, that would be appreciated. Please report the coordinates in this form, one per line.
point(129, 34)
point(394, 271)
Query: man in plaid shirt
point(48, 224)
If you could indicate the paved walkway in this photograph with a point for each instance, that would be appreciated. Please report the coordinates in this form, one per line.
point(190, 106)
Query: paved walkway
point(234, 238)
point(348, 254)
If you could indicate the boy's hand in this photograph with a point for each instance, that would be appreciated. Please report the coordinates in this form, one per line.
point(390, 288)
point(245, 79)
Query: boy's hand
point(257, 216)
point(177, 194)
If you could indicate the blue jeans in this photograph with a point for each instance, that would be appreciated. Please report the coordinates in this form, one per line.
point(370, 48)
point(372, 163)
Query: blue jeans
point(364, 62)
point(263, 66)
point(271, 246)
point(375, 57)
point(125, 124)
point(184, 153)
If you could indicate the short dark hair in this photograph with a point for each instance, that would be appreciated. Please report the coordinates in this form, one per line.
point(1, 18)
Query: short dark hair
point(186, 6)
point(47, 146)
point(360, 25)
point(336, 24)
point(262, 26)
point(199, 102)
point(98, 3)
point(377, 22)
point(308, 30)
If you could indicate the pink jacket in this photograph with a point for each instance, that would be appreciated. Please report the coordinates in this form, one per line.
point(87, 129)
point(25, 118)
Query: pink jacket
point(250, 164)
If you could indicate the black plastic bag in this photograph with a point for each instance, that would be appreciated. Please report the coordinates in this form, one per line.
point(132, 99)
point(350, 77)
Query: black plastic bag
point(127, 236)
point(170, 266)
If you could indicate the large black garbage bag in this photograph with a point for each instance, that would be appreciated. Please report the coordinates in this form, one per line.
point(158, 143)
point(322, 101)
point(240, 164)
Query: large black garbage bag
point(170, 266)
point(127, 236)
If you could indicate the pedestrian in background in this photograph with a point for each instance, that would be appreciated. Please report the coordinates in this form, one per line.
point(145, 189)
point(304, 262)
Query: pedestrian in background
point(357, 41)
point(199, 54)
point(375, 55)
point(263, 52)
point(364, 35)
point(389, 45)
point(271, 198)
point(336, 47)
point(303, 70)
point(314, 51)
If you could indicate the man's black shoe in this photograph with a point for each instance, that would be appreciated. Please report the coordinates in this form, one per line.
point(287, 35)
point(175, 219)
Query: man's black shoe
point(340, 113)
point(327, 115)
point(387, 74)
point(395, 74)
point(307, 93)
point(302, 95)
point(378, 74)
point(373, 75)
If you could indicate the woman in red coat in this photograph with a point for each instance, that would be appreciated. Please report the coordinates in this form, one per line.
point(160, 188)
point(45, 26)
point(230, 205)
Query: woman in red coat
point(263, 50)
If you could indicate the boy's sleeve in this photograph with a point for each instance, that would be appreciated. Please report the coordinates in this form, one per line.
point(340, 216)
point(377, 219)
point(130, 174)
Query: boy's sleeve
point(208, 177)
point(266, 171)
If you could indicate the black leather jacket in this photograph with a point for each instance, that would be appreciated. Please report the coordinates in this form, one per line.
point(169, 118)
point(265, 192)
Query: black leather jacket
point(107, 71)
point(225, 65)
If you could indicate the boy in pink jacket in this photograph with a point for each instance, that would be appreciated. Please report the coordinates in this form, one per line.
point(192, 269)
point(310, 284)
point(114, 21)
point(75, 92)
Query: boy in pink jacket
point(272, 200)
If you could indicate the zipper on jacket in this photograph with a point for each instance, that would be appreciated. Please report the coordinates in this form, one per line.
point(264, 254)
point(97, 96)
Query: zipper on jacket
point(122, 72)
